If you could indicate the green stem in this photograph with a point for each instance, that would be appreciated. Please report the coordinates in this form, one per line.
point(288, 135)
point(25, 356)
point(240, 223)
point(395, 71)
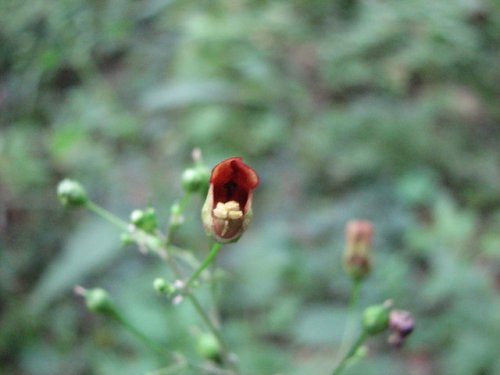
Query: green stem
point(213, 293)
point(137, 333)
point(199, 308)
point(115, 220)
point(171, 261)
point(352, 351)
point(182, 206)
point(184, 201)
point(215, 331)
point(351, 318)
point(206, 262)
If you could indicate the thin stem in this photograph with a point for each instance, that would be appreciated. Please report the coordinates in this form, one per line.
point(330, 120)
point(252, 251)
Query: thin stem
point(214, 330)
point(351, 317)
point(352, 351)
point(213, 293)
point(199, 308)
point(136, 332)
point(105, 214)
point(160, 249)
point(182, 204)
point(184, 201)
point(206, 262)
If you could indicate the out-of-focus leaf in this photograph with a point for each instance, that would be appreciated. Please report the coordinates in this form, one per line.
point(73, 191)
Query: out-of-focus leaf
point(92, 245)
point(320, 325)
point(183, 94)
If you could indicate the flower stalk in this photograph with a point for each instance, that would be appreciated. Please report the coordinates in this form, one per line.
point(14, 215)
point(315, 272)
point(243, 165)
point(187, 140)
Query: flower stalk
point(356, 345)
point(206, 262)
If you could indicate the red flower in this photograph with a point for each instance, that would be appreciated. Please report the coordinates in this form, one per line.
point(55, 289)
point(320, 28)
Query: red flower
point(227, 211)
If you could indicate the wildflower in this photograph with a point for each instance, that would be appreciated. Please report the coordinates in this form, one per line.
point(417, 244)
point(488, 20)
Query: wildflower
point(227, 211)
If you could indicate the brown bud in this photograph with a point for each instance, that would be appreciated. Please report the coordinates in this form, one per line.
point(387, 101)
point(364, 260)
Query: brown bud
point(357, 255)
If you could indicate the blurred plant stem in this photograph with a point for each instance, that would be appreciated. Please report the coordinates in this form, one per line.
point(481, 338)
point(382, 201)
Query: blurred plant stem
point(118, 317)
point(176, 216)
point(208, 261)
point(161, 245)
point(351, 353)
point(190, 296)
point(351, 316)
point(106, 215)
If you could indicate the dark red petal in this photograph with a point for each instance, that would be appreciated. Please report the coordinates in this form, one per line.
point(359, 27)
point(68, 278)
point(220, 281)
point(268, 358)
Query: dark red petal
point(232, 179)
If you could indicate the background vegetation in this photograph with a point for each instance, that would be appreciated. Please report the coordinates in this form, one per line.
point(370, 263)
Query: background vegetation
point(386, 110)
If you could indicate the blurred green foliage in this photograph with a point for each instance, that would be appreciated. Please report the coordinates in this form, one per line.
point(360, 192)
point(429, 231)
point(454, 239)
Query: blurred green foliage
point(386, 110)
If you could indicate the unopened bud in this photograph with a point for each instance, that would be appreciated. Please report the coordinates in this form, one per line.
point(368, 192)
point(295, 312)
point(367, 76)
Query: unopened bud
point(99, 301)
point(401, 323)
point(376, 318)
point(208, 347)
point(161, 286)
point(195, 179)
point(145, 220)
point(127, 238)
point(176, 217)
point(357, 255)
point(71, 193)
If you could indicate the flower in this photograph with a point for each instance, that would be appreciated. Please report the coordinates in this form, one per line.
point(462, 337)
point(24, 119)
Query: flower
point(227, 211)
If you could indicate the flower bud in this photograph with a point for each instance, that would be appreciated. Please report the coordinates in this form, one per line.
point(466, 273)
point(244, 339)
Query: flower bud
point(71, 193)
point(127, 238)
point(195, 179)
point(227, 211)
point(176, 217)
point(357, 255)
point(208, 347)
point(161, 286)
point(376, 318)
point(401, 323)
point(98, 301)
point(145, 220)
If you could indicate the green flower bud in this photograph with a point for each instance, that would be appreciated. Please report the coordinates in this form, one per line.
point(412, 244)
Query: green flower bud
point(176, 218)
point(376, 318)
point(161, 286)
point(145, 220)
point(99, 301)
point(127, 238)
point(208, 347)
point(71, 193)
point(195, 179)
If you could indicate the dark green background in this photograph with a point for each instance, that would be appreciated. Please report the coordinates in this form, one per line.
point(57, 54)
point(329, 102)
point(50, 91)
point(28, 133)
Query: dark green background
point(385, 110)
